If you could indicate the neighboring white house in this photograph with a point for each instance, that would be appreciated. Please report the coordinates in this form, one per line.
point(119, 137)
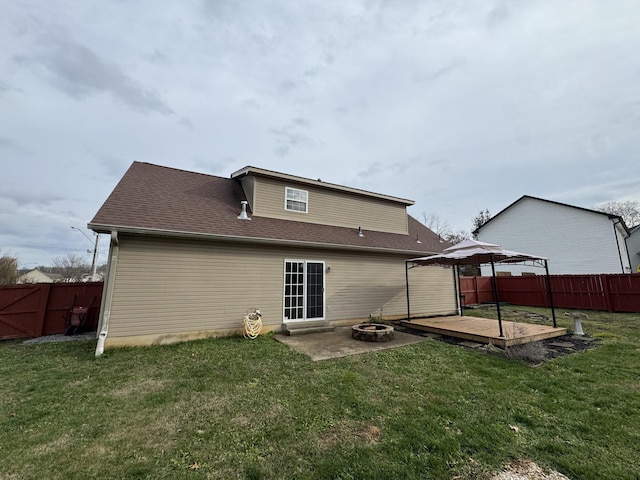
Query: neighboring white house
point(575, 240)
point(633, 245)
point(36, 276)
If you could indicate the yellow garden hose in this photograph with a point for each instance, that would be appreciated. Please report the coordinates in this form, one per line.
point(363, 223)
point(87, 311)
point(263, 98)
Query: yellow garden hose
point(252, 324)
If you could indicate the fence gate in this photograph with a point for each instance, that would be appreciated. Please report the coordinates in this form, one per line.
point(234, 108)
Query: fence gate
point(19, 311)
point(40, 309)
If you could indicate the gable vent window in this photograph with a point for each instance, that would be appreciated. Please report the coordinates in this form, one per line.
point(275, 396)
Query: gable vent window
point(296, 200)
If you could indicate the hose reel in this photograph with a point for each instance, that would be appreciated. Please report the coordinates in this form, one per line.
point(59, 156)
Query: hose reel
point(252, 324)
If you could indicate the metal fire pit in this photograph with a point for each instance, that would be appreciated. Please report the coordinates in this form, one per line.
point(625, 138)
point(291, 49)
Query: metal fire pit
point(372, 332)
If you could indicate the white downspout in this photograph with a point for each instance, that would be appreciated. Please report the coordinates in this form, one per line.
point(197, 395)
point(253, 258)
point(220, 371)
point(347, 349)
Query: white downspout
point(105, 308)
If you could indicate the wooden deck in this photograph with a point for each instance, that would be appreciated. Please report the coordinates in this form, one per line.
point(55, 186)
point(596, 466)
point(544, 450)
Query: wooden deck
point(485, 330)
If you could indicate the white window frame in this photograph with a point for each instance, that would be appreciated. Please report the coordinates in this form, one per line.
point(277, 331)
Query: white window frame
point(296, 196)
point(304, 293)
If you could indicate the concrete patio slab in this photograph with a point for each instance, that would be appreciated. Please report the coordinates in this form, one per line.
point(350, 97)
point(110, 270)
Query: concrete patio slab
point(326, 345)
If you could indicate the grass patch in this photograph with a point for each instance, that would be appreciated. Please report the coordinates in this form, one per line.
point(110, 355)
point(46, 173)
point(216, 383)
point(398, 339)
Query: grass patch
point(234, 408)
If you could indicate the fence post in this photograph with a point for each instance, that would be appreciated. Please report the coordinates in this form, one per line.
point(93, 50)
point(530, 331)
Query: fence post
point(604, 281)
point(45, 288)
point(475, 289)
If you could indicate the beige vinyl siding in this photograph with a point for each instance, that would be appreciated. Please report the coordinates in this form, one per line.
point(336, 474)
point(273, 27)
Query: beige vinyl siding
point(330, 207)
point(178, 286)
point(173, 287)
point(360, 285)
point(432, 291)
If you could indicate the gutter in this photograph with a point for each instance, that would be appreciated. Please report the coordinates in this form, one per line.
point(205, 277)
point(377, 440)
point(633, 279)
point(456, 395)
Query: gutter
point(254, 240)
point(615, 233)
point(107, 293)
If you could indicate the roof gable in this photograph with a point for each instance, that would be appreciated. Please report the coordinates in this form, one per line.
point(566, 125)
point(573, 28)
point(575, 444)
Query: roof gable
point(261, 172)
point(550, 202)
point(152, 199)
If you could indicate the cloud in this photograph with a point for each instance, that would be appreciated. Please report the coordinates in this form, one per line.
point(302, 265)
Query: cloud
point(113, 165)
point(498, 15)
point(457, 105)
point(79, 71)
point(4, 88)
point(439, 72)
point(288, 136)
point(358, 107)
point(250, 103)
point(214, 167)
point(596, 193)
point(9, 144)
point(26, 197)
point(186, 123)
point(372, 170)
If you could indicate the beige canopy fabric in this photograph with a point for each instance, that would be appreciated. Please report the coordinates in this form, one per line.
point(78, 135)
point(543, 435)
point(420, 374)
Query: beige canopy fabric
point(473, 252)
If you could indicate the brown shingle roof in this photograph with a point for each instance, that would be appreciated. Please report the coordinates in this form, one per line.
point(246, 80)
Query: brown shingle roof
point(166, 201)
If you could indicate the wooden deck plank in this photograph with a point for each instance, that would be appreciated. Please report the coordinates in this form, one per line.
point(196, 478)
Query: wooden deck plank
point(485, 330)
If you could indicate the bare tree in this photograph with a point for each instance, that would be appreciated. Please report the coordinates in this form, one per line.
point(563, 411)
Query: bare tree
point(441, 227)
point(628, 210)
point(457, 236)
point(71, 267)
point(480, 219)
point(436, 224)
point(8, 270)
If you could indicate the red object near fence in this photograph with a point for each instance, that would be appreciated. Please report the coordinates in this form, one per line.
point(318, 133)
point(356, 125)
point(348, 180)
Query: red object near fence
point(613, 293)
point(39, 309)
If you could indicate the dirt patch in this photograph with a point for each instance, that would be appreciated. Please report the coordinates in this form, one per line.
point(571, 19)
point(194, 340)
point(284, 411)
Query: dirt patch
point(349, 432)
point(56, 445)
point(138, 388)
point(526, 470)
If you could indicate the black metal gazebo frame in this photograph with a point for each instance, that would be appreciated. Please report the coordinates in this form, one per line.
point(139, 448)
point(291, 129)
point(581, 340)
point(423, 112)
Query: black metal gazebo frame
point(473, 252)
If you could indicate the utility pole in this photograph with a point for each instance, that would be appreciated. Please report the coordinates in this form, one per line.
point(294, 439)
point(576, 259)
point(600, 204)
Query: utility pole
point(94, 263)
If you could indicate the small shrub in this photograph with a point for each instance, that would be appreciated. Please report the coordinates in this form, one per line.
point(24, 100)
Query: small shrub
point(532, 352)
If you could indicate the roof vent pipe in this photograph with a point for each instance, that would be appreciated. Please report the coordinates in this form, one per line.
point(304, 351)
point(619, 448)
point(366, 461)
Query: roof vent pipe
point(243, 214)
point(360, 234)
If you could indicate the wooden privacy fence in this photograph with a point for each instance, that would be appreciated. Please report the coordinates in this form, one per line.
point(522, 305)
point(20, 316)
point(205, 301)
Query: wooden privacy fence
point(612, 293)
point(40, 309)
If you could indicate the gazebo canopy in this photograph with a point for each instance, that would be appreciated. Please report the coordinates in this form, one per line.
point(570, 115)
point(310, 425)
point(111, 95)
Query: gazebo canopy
point(473, 252)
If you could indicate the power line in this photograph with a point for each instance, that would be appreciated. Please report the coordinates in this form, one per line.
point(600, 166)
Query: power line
point(43, 247)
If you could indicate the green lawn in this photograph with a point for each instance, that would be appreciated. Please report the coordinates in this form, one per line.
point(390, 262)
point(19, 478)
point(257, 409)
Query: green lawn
point(236, 408)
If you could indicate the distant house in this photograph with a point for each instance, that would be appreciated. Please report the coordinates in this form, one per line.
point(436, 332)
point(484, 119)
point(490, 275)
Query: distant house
point(633, 245)
point(36, 276)
point(191, 254)
point(575, 240)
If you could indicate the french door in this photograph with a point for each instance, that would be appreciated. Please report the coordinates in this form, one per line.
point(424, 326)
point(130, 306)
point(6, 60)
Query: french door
point(303, 290)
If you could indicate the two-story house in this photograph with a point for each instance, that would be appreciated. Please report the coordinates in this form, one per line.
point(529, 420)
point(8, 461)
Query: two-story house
point(575, 240)
point(191, 254)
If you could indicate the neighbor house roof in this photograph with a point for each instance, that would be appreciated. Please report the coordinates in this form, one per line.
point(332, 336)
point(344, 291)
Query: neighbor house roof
point(524, 197)
point(38, 274)
point(157, 200)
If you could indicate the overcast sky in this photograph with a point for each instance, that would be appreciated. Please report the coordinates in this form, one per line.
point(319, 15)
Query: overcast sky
point(457, 105)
